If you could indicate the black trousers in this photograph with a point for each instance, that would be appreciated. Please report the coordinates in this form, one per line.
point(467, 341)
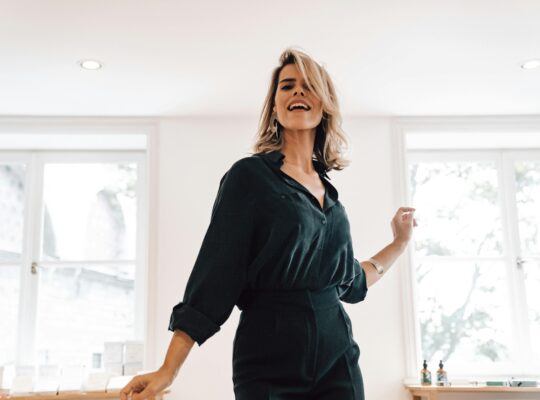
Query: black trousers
point(296, 345)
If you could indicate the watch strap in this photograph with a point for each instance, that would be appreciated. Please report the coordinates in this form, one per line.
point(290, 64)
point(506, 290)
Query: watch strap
point(378, 266)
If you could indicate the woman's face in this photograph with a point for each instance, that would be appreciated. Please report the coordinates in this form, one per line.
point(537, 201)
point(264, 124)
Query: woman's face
point(291, 90)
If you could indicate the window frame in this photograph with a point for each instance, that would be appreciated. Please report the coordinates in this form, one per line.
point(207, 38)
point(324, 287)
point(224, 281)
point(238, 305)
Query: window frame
point(504, 159)
point(146, 245)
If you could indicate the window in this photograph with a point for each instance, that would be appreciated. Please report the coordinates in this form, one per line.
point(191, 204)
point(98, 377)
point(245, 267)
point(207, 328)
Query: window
point(70, 253)
point(475, 257)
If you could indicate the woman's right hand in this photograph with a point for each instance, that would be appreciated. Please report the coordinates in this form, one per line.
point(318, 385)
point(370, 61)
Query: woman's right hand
point(146, 386)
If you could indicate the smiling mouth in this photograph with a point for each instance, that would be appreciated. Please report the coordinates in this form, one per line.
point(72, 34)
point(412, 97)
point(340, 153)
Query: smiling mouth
point(299, 107)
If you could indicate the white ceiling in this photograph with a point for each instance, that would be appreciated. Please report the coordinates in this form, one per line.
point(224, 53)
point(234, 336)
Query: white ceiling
point(215, 57)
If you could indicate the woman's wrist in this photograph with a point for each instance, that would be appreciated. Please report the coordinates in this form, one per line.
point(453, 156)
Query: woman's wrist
point(400, 243)
point(169, 370)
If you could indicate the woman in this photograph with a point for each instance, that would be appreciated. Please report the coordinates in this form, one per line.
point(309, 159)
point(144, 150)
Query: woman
point(279, 247)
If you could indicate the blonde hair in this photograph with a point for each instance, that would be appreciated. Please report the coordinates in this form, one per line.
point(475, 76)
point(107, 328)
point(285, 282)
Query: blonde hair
point(330, 139)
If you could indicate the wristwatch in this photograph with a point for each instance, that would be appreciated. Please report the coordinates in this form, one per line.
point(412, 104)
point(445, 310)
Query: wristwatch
point(378, 266)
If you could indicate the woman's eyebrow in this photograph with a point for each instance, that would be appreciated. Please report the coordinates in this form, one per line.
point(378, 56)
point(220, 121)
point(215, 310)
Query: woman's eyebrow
point(287, 80)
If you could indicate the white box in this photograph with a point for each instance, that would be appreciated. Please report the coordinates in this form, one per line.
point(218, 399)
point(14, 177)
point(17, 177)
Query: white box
point(22, 385)
point(96, 381)
point(25, 370)
point(71, 378)
point(115, 368)
point(133, 351)
point(113, 352)
point(133, 368)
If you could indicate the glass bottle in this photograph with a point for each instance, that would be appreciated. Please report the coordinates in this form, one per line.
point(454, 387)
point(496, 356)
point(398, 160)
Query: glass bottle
point(425, 375)
point(442, 378)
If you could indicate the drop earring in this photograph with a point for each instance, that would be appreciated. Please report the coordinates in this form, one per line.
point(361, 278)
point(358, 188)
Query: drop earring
point(274, 126)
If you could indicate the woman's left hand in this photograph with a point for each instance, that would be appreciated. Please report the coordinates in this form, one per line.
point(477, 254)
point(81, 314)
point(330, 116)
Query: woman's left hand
point(403, 223)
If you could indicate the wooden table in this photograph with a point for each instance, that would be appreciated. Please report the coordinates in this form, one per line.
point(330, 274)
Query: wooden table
point(431, 392)
point(75, 395)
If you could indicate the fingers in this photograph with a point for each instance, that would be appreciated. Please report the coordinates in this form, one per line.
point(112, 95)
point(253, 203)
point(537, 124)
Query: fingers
point(134, 386)
point(404, 215)
point(147, 393)
point(126, 390)
point(403, 210)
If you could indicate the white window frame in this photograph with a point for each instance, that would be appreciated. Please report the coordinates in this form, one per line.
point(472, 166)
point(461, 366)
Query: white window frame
point(528, 125)
point(146, 247)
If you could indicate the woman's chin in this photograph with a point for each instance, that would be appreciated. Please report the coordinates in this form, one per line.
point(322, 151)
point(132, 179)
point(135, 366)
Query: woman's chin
point(296, 125)
point(300, 128)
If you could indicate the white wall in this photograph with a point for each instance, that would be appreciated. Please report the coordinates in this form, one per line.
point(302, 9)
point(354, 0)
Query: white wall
point(190, 157)
point(193, 155)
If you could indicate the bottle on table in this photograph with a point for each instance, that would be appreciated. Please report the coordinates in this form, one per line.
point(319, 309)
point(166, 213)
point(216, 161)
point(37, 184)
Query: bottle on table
point(442, 378)
point(425, 375)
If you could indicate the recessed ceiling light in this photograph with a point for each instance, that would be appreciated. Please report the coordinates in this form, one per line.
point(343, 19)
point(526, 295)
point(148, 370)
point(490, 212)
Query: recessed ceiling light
point(90, 64)
point(530, 64)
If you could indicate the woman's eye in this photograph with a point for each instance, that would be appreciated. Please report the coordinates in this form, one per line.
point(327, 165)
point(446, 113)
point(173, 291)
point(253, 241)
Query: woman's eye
point(287, 87)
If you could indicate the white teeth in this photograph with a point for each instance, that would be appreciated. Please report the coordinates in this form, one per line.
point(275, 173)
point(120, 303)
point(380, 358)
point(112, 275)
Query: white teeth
point(305, 107)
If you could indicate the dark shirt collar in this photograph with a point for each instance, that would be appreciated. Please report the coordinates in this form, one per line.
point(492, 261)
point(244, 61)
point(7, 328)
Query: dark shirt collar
point(275, 159)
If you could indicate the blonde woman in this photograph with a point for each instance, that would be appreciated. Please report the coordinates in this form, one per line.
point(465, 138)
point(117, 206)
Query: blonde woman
point(279, 248)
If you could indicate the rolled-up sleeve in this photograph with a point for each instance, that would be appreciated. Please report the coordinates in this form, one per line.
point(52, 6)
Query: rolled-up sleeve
point(355, 290)
point(220, 271)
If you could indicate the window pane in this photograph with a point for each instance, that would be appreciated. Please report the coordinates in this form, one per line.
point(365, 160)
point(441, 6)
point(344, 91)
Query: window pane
point(9, 306)
point(11, 211)
point(90, 211)
point(80, 308)
point(458, 206)
point(464, 315)
point(528, 205)
point(532, 284)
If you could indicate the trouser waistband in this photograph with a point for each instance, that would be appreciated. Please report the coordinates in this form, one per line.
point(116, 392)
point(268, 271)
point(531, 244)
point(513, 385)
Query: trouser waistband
point(290, 299)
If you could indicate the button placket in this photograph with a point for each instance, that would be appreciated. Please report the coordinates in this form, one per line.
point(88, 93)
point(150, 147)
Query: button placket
point(323, 229)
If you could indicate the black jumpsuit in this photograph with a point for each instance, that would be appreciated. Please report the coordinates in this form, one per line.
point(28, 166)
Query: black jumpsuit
point(286, 263)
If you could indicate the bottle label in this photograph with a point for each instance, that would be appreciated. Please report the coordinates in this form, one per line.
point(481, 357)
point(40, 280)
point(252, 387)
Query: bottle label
point(441, 377)
point(426, 377)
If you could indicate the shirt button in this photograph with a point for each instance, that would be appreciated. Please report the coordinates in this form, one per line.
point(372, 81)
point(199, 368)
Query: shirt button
point(282, 196)
point(323, 221)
